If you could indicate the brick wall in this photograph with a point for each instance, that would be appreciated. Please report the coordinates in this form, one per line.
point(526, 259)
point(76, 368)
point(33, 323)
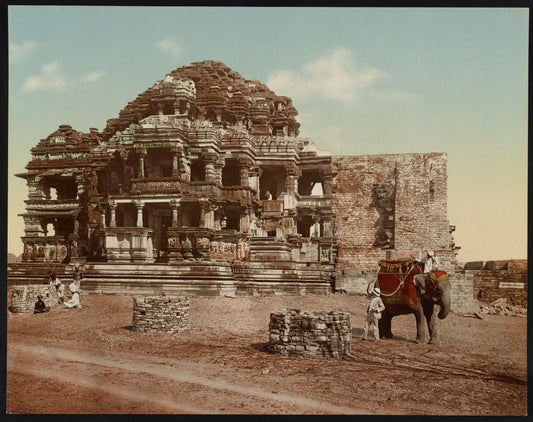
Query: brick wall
point(499, 279)
point(420, 207)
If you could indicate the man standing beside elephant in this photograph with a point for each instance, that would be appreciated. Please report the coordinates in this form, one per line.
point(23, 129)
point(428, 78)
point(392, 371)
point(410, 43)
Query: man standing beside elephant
point(374, 309)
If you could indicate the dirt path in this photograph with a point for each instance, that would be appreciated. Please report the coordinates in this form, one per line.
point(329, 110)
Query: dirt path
point(183, 381)
point(89, 361)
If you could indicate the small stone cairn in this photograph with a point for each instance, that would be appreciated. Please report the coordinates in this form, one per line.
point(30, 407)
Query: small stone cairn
point(293, 332)
point(23, 298)
point(161, 314)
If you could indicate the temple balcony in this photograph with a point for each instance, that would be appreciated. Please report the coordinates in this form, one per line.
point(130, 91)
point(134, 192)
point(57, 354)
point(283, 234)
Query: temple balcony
point(159, 185)
point(243, 194)
point(189, 242)
point(51, 206)
point(314, 202)
point(272, 208)
point(126, 244)
point(208, 189)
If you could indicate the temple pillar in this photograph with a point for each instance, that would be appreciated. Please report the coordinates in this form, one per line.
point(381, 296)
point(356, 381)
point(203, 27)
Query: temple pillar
point(174, 205)
point(175, 150)
point(315, 229)
point(327, 181)
point(210, 160)
point(244, 171)
point(204, 203)
point(141, 153)
point(140, 206)
point(112, 218)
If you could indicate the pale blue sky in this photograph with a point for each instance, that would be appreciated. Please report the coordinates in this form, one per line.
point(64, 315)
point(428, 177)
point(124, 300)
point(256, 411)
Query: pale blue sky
point(365, 81)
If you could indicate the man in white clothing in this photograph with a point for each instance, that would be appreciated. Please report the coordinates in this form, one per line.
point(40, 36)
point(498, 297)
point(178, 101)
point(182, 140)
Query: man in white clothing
point(430, 261)
point(74, 302)
point(374, 309)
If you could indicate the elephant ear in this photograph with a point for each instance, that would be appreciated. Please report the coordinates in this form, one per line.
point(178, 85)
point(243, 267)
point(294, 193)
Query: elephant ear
point(420, 281)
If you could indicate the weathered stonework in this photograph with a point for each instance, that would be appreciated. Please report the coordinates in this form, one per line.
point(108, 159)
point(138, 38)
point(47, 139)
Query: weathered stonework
point(493, 280)
point(376, 216)
point(23, 298)
point(462, 294)
point(293, 332)
point(161, 314)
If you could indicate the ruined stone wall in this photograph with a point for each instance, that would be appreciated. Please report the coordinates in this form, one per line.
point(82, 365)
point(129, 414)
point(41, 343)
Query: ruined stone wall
point(293, 332)
point(23, 298)
point(462, 294)
point(354, 282)
point(499, 279)
point(161, 314)
point(384, 202)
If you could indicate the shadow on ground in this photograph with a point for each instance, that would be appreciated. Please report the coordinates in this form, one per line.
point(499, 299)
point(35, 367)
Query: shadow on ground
point(357, 334)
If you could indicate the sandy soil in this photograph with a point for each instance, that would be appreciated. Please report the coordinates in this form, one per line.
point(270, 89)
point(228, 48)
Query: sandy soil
point(89, 360)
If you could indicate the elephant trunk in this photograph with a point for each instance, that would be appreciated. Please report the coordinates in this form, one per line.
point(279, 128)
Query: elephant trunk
point(446, 302)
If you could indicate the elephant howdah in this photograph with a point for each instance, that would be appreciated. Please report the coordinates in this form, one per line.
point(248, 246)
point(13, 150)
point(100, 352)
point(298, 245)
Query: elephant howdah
point(395, 279)
point(406, 289)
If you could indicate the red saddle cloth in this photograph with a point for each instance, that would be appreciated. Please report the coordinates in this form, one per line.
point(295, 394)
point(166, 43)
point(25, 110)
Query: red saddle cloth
point(390, 276)
point(438, 276)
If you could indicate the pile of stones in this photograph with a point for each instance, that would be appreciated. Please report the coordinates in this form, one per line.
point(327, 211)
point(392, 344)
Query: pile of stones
point(23, 298)
point(293, 332)
point(501, 307)
point(161, 314)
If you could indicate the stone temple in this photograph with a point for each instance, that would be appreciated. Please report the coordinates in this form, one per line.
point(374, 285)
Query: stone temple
point(201, 185)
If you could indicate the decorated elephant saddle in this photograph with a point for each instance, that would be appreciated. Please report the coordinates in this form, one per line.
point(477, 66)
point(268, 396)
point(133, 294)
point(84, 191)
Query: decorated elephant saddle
point(438, 276)
point(395, 279)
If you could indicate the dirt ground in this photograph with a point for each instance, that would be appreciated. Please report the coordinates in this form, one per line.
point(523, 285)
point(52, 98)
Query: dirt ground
point(88, 360)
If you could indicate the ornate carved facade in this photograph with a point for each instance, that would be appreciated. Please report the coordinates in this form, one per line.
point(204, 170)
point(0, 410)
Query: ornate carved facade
point(204, 181)
point(202, 167)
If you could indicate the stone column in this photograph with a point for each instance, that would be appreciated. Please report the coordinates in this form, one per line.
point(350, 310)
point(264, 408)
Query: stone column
point(140, 207)
point(327, 181)
point(204, 203)
point(291, 183)
point(316, 226)
point(174, 205)
point(175, 150)
point(141, 153)
point(210, 159)
point(244, 223)
point(184, 168)
point(244, 171)
point(112, 218)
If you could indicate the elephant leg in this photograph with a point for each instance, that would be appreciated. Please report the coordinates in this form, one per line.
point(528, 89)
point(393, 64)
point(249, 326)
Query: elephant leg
point(431, 319)
point(420, 323)
point(384, 325)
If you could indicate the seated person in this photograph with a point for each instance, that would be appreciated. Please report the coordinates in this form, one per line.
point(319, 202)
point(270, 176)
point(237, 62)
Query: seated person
point(74, 302)
point(40, 306)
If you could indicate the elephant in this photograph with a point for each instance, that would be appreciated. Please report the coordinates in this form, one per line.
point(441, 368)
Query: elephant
point(431, 289)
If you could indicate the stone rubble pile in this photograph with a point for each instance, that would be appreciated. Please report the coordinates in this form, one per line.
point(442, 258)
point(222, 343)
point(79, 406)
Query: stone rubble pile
point(161, 314)
point(293, 332)
point(501, 307)
point(23, 298)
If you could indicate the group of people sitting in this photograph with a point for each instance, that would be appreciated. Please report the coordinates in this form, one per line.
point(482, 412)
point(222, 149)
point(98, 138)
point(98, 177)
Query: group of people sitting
point(55, 282)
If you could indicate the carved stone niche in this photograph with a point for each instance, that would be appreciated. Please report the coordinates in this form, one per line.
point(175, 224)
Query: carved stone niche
point(383, 200)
